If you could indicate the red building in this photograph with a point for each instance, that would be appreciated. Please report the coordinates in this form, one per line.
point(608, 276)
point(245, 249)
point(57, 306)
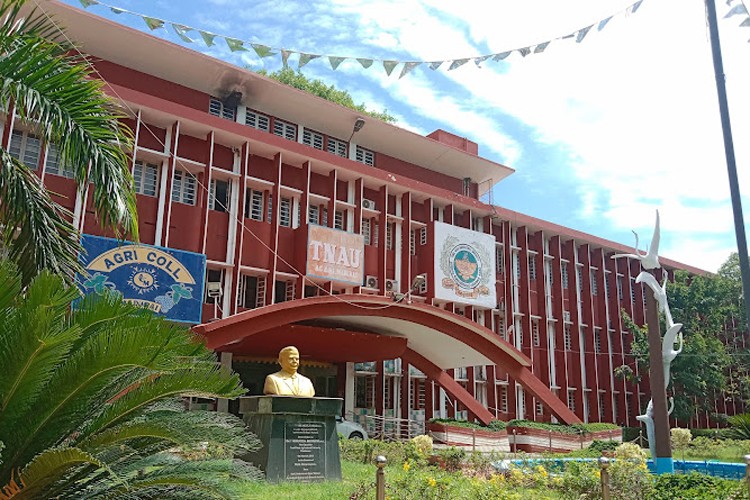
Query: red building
point(259, 177)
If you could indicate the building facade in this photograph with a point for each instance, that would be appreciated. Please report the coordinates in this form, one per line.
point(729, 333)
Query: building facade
point(241, 169)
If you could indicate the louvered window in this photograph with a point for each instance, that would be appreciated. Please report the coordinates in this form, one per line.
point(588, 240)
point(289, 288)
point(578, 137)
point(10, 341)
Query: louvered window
point(145, 175)
point(257, 120)
point(183, 187)
point(365, 156)
point(53, 163)
point(26, 148)
point(217, 108)
point(336, 147)
point(312, 139)
point(254, 204)
point(285, 130)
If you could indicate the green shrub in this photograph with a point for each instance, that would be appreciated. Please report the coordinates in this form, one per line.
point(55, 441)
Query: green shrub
point(740, 426)
point(494, 425)
point(452, 458)
point(365, 451)
point(696, 486)
point(597, 446)
point(711, 433)
point(565, 429)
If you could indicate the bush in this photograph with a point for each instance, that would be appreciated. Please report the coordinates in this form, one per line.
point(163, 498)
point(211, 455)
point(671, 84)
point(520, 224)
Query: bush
point(711, 433)
point(423, 444)
point(740, 426)
point(452, 458)
point(696, 486)
point(598, 447)
point(565, 429)
point(365, 451)
point(494, 425)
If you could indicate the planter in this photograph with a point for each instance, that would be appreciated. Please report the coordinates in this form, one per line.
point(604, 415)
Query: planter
point(532, 440)
point(476, 439)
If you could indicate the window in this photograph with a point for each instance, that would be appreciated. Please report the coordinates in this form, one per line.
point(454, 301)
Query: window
point(564, 271)
point(567, 338)
point(532, 267)
point(594, 287)
point(338, 220)
point(632, 290)
point(281, 293)
point(597, 340)
point(254, 204)
point(257, 120)
point(364, 391)
point(365, 156)
point(144, 175)
point(517, 262)
point(375, 234)
point(601, 400)
point(324, 221)
point(336, 147)
point(250, 295)
point(218, 195)
point(413, 242)
point(423, 236)
point(26, 148)
point(285, 129)
point(539, 408)
point(571, 400)
point(312, 139)
point(313, 212)
point(183, 187)
point(366, 231)
point(535, 333)
point(269, 211)
point(53, 163)
point(504, 398)
point(389, 235)
point(499, 259)
point(285, 212)
point(217, 108)
point(579, 273)
point(619, 287)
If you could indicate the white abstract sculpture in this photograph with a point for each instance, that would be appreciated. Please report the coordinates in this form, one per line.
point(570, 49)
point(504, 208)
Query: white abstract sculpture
point(649, 261)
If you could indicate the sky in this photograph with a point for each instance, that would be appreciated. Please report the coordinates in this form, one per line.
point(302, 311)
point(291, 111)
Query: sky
point(601, 133)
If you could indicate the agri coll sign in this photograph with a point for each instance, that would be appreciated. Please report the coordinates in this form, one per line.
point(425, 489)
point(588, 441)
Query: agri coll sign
point(335, 255)
point(464, 266)
point(169, 282)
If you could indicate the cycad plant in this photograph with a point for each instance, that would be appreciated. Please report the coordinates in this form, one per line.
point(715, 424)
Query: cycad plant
point(51, 89)
point(90, 401)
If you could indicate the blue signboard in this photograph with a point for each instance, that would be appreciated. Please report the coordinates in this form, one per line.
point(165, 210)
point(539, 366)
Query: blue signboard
point(166, 281)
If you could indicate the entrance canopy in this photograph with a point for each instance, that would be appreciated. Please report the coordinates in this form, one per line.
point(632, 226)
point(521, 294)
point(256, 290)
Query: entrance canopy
point(369, 328)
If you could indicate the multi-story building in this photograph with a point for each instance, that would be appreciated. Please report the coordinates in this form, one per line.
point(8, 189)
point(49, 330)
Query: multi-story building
point(344, 234)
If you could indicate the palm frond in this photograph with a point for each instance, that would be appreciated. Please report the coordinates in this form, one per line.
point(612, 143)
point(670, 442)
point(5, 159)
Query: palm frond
point(36, 231)
point(49, 466)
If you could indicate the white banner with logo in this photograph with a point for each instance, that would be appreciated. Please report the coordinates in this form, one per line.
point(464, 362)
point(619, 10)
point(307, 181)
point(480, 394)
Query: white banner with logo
point(464, 266)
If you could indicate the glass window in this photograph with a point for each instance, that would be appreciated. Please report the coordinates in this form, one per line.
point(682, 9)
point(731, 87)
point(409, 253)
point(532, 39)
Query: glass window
point(52, 164)
point(219, 195)
point(145, 176)
point(365, 156)
point(257, 120)
point(183, 187)
point(26, 147)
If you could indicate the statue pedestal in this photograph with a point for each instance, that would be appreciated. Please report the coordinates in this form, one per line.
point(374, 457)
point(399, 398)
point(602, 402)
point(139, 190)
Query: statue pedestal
point(299, 437)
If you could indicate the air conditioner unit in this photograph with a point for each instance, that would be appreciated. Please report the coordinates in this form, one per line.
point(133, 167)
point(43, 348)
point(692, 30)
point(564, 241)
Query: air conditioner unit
point(213, 289)
point(371, 281)
point(368, 204)
point(391, 285)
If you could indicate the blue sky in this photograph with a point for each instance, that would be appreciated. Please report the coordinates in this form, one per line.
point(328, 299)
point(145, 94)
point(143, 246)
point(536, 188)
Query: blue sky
point(600, 133)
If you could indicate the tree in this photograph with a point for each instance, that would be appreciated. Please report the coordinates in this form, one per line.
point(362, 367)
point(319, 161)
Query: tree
point(299, 81)
point(53, 91)
point(714, 361)
point(89, 400)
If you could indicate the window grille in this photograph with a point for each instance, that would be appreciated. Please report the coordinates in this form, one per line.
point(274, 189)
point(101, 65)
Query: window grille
point(53, 163)
point(365, 156)
point(217, 108)
point(145, 176)
point(285, 212)
point(257, 120)
point(285, 130)
point(313, 214)
point(219, 195)
point(26, 148)
point(254, 205)
point(336, 147)
point(183, 187)
point(312, 139)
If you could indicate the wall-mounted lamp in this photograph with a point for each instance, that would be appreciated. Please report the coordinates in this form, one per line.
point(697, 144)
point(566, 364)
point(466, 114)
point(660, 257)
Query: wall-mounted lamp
point(358, 124)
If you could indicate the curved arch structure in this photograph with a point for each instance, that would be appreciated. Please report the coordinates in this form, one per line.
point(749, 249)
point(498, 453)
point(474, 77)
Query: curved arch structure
point(435, 340)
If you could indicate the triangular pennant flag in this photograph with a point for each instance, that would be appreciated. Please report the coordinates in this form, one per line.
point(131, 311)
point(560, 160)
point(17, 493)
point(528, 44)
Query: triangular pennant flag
point(366, 63)
point(603, 23)
point(500, 56)
point(306, 58)
point(479, 60)
point(408, 66)
point(285, 57)
point(208, 38)
point(737, 9)
point(435, 64)
point(181, 30)
point(746, 22)
point(389, 66)
point(335, 61)
point(88, 3)
point(582, 33)
point(540, 48)
point(117, 10)
point(153, 23)
point(458, 62)
point(262, 50)
point(635, 6)
point(524, 51)
point(234, 44)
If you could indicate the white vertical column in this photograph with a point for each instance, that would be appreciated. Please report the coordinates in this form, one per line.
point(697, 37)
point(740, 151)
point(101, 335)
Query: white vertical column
point(225, 359)
point(349, 390)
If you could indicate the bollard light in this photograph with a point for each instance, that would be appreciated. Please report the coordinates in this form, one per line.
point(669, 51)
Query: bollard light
point(380, 462)
point(604, 475)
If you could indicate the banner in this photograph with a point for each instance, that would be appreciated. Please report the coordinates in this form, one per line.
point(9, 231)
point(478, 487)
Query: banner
point(464, 266)
point(335, 255)
point(169, 282)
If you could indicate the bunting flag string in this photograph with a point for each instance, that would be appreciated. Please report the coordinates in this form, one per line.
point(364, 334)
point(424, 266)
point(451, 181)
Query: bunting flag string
point(263, 50)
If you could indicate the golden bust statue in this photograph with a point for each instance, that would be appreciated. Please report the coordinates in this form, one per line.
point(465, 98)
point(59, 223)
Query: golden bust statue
point(287, 382)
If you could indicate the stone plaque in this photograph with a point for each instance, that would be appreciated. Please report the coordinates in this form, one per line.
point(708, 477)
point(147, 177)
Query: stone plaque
point(305, 451)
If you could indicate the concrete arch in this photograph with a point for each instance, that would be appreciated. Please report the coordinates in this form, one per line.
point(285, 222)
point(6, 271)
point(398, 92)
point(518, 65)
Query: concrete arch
point(437, 339)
